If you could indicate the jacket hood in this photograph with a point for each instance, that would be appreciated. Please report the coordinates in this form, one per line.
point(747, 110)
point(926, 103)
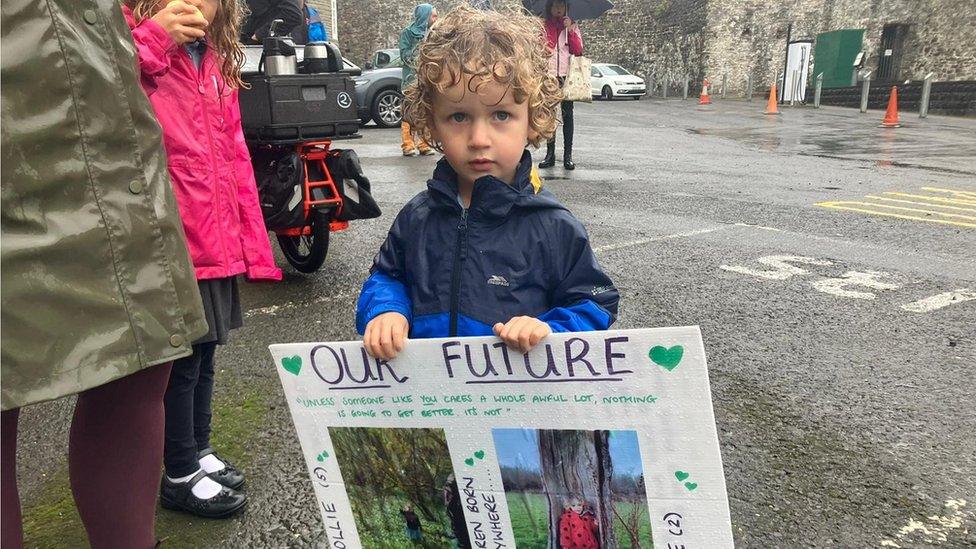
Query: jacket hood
point(421, 20)
point(492, 197)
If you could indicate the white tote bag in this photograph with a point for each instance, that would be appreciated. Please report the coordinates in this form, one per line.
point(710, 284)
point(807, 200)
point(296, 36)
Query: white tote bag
point(577, 87)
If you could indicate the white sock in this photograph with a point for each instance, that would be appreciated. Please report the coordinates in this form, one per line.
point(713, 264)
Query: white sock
point(211, 464)
point(205, 489)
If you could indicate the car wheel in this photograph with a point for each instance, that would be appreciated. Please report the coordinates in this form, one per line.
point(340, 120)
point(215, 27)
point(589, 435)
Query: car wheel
point(388, 108)
point(607, 93)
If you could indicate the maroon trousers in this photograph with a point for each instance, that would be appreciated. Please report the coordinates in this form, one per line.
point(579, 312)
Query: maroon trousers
point(115, 450)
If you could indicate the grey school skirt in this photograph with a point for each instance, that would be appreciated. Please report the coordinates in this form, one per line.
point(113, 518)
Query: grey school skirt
point(222, 307)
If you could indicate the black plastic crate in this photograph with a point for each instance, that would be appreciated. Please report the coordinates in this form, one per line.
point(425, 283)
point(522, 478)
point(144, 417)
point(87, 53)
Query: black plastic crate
point(298, 107)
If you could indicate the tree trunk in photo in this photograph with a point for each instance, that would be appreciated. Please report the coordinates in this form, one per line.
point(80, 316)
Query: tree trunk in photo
point(577, 464)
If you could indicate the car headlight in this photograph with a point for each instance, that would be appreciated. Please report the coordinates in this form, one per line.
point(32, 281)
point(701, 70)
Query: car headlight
point(619, 82)
point(361, 81)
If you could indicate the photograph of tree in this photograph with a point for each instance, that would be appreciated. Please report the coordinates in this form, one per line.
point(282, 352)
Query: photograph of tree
point(401, 486)
point(574, 489)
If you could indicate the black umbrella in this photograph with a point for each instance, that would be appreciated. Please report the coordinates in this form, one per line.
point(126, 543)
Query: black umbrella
point(577, 10)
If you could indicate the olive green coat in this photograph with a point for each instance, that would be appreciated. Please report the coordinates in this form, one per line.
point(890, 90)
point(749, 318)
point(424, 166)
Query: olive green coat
point(96, 280)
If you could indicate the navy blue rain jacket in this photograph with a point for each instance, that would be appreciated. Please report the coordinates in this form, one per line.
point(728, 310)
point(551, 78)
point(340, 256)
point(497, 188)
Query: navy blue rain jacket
point(514, 252)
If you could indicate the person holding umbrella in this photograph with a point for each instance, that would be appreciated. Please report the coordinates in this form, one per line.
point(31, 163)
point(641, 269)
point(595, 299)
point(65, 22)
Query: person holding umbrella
point(564, 40)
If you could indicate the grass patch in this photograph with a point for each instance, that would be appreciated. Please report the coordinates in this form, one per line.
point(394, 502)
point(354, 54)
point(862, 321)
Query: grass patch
point(53, 521)
point(381, 526)
point(530, 520)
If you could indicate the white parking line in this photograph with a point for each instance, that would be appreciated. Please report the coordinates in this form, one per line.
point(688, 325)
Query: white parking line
point(936, 302)
point(936, 530)
point(611, 247)
point(273, 310)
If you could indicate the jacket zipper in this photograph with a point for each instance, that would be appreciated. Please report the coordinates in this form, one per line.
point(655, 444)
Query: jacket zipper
point(558, 54)
point(459, 253)
point(201, 88)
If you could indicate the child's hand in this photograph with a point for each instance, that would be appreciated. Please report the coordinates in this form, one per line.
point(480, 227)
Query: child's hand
point(385, 335)
point(182, 20)
point(522, 332)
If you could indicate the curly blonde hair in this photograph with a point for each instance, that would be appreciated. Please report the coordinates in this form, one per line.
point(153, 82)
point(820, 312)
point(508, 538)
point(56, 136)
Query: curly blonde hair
point(507, 47)
point(222, 34)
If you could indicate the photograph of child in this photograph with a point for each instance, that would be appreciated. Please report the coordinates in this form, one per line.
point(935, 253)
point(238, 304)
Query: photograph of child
point(395, 480)
point(574, 489)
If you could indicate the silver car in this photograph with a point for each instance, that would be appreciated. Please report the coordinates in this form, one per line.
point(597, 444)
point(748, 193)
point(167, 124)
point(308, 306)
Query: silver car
point(378, 90)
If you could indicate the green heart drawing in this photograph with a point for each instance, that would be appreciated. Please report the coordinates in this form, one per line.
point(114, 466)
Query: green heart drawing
point(469, 461)
point(667, 358)
point(480, 454)
point(691, 486)
point(292, 364)
point(681, 475)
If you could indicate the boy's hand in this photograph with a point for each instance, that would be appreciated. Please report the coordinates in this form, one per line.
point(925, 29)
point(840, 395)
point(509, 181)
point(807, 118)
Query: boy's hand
point(386, 335)
point(182, 20)
point(522, 333)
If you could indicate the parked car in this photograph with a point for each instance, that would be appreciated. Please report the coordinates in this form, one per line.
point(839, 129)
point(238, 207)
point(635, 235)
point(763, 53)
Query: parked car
point(385, 58)
point(379, 98)
point(608, 81)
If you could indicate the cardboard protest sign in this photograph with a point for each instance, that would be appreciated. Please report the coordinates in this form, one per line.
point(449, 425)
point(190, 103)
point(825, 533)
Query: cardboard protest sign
point(597, 439)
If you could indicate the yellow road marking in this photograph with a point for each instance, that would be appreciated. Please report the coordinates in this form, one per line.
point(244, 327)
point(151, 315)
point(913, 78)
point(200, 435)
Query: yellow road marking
point(872, 197)
point(966, 194)
point(935, 198)
point(967, 217)
point(846, 206)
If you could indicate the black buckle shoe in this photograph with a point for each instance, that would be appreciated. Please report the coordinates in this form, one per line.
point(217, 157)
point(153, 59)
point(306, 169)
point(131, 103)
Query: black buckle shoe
point(569, 164)
point(229, 476)
point(178, 496)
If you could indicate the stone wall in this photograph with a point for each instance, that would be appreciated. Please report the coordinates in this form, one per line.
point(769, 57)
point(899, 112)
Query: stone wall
point(748, 36)
point(369, 25)
point(663, 40)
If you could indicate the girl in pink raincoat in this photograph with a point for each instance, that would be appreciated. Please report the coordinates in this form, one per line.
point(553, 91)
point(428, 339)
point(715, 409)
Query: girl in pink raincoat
point(190, 62)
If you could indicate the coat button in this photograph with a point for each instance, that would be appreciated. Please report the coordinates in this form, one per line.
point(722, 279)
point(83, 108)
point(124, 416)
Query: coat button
point(91, 17)
point(136, 187)
point(176, 340)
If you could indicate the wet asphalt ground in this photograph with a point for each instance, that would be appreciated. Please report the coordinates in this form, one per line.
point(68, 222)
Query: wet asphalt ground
point(841, 337)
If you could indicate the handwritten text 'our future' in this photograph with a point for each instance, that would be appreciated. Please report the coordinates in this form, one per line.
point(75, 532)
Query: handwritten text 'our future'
point(481, 363)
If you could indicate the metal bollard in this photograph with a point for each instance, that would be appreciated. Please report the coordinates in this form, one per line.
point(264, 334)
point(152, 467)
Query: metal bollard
point(749, 88)
point(684, 93)
point(816, 91)
point(795, 84)
point(725, 79)
point(665, 87)
point(923, 107)
point(865, 89)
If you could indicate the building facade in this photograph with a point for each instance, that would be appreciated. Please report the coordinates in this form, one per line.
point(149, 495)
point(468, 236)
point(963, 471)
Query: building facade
point(664, 40)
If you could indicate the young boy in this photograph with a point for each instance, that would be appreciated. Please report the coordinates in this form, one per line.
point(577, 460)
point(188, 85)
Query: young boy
point(483, 250)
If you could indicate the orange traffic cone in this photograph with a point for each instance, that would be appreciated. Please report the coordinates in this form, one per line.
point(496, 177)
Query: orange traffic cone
point(891, 115)
point(771, 105)
point(704, 99)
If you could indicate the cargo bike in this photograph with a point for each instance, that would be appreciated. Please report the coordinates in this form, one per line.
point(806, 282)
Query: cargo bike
point(293, 112)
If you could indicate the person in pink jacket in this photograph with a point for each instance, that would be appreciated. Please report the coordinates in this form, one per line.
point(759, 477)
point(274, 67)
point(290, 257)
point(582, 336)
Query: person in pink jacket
point(190, 69)
point(564, 40)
